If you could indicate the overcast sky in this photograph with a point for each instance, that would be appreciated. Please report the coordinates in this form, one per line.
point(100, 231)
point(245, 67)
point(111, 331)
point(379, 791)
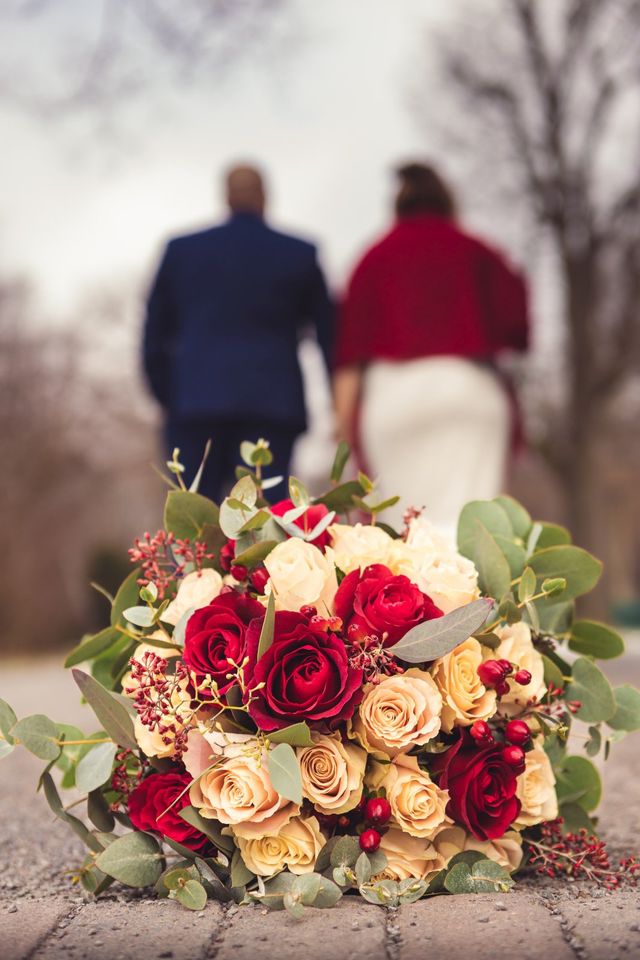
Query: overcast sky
point(88, 199)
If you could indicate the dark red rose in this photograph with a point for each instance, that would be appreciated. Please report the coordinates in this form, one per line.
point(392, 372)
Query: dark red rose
point(308, 521)
point(378, 602)
point(305, 672)
point(150, 799)
point(482, 787)
point(215, 637)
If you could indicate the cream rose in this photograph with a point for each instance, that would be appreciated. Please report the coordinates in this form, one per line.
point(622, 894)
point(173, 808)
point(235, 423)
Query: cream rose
point(465, 699)
point(536, 790)
point(295, 846)
point(431, 560)
point(409, 856)
point(332, 773)
point(398, 713)
point(300, 575)
point(239, 793)
point(417, 803)
point(358, 546)
point(517, 647)
point(196, 590)
point(507, 850)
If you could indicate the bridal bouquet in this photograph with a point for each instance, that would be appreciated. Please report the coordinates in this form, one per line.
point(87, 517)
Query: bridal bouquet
point(295, 701)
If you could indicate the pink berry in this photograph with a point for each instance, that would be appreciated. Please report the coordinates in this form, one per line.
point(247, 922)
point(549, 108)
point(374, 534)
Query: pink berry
point(377, 811)
point(369, 840)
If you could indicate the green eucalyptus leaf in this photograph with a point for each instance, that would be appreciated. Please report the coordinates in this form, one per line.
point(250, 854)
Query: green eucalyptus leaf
point(39, 735)
point(92, 646)
point(268, 624)
point(579, 781)
point(297, 735)
point(410, 890)
point(240, 873)
point(340, 461)
point(627, 713)
point(590, 686)
point(580, 569)
point(575, 818)
point(8, 720)
point(340, 498)
point(99, 812)
point(494, 573)
point(519, 518)
point(140, 616)
point(133, 859)
point(527, 585)
point(284, 772)
point(327, 895)
point(595, 639)
point(95, 767)
point(5, 748)
point(298, 493)
point(78, 827)
point(191, 894)
point(484, 876)
point(255, 554)
point(113, 716)
point(210, 828)
point(126, 597)
point(345, 852)
point(435, 638)
point(363, 869)
point(552, 535)
point(487, 514)
point(188, 515)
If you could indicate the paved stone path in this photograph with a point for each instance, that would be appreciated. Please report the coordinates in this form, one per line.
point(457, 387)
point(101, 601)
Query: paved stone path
point(43, 917)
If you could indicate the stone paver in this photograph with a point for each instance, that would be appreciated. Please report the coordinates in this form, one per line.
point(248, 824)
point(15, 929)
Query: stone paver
point(482, 926)
point(116, 930)
point(352, 930)
point(606, 928)
point(24, 926)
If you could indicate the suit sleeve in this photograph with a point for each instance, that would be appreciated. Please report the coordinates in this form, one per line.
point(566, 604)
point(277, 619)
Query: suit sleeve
point(507, 303)
point(357, 317)
point(159, 333)
point(319, 310)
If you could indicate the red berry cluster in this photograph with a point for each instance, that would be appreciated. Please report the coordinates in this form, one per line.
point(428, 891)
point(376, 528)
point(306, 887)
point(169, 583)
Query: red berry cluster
point(367, 653)
point(152, 698)
point(258, 578)
point(377, 813)
point(494, 673)
point(164, 557)
point(580, 856)
point(516, 734)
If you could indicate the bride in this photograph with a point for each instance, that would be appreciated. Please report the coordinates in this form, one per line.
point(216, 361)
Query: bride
point(428, 310)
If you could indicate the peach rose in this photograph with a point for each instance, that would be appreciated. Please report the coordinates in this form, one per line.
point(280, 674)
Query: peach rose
point(398, 713)
point(332, 773)
point(296, 846)
point(417, 803)
point(358, 546)
point(464, 697)
point(196, 590)
point(516, 646)
point(431, 560)
point(507, 850)
point(408, 856)
point(301, 575)
point(239, 793)
point(536, 790)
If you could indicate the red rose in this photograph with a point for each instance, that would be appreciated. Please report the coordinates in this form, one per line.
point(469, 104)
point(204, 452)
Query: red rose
point(305, 674)
point(482, 787)
point(150, 799)
point(215, 637)
point(377, 602)
point(308, 521)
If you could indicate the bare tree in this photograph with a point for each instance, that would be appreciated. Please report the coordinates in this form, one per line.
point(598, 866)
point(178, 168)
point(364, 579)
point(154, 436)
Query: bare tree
point(551, 93)
point(120, 48)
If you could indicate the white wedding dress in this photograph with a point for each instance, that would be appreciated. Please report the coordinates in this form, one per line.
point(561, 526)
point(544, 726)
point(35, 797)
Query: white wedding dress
point(435, 431)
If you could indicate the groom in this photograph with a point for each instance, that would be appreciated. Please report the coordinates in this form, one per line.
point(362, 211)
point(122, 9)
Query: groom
point(224, 317)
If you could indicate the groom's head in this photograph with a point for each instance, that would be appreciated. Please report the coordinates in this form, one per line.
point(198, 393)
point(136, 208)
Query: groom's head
point(245, 190)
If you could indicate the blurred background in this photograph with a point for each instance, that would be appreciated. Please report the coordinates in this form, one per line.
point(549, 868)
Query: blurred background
point(117, 118)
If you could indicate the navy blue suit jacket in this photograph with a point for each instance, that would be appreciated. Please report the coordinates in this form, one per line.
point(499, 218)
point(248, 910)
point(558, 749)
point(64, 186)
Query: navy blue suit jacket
point(224, 317)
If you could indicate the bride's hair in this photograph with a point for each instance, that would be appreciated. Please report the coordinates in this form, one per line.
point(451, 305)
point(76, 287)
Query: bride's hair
point(422, 190)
